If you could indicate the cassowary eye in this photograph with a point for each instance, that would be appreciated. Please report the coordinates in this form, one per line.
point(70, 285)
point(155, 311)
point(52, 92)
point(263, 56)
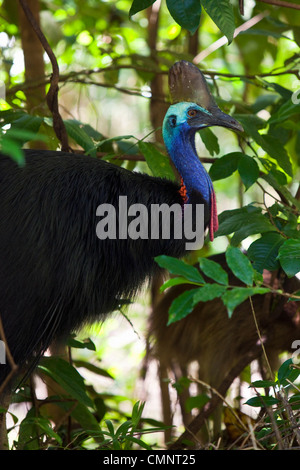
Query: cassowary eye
point(173, 120)
point(192, 112)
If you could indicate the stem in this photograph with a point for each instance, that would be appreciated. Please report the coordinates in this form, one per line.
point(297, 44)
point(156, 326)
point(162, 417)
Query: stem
point(52, 96)
point(280, 3)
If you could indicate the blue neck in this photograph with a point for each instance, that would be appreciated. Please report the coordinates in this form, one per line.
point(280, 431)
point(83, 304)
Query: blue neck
point(181, 148)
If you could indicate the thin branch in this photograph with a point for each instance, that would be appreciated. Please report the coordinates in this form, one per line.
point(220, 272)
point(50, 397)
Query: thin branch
point(223, 40)
point(52, 96)
point(71, 78)
point(280, 3)
point(206, 411)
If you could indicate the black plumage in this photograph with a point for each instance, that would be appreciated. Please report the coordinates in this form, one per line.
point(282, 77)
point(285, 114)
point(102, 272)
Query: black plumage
point(55, 273)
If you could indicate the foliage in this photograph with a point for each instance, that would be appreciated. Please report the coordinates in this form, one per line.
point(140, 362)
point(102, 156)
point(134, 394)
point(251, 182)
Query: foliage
point(109, 58)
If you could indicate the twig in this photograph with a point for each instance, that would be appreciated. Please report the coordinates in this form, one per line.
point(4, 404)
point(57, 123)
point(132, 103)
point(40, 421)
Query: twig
point(52, 95)
point(295, 425)
point(241, 6)
point(260, 338)
point(206, 411)
point(71, 78)
point(280, 3)
point(223, 40)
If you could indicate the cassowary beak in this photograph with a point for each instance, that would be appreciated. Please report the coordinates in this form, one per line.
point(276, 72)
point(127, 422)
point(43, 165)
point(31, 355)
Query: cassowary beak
point(217, 118)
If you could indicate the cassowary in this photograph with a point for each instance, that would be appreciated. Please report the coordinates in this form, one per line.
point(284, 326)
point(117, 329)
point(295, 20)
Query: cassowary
point(55, 272)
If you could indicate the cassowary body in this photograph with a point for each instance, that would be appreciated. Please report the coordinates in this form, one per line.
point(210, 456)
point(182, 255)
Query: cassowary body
point(55, 273)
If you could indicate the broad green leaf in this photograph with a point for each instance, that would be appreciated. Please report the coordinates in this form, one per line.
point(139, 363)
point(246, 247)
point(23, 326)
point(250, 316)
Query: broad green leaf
point(246, 221)
point(196, 402)
point(271, 145)
point(264, 251)
point(208, 292)
point(248, 170)
point(86, 344)
point(262, 401)
point(66, 376)
point(285, 111)
point(210, 141)
point(186, 13)
point(180, 268)
point(221, 12)
point(225, 166)
point(240, 265)
point(281, 189)
point(174, 281)
point(263, 384)
point(92, 368)
point(82, 415)
point(285, 370)
point(31, 429)
point(28, 123)
point(181, 306)
point(213, 270)
point(12, 149)
point(78, 134)
point(158, 163)
point(185, 302)
point(234, 297)
point(289, 256)
point(139, 5)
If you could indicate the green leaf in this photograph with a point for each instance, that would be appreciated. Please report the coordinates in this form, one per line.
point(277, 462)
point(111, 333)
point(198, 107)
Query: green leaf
point(289, 256)
point(213, 270)
point(158, 163)
point(139, 5)
point(225, 166)
point(86, 344)
point(67, 377)
point(210, 141)
point(81, 414)
point(264, 251)
point(262, 401)
point(285, 370)
point(174, 281)
point(181, 306)
point(13, 149)
point(180, 268)
point(270, 144)
point(240, 265)
point(285, 111)
point(37, 425)
point(246, 221)
point(248, 170)
point(196, 402)
point(208, 292)
point(221, 12)
point(185, 302)
point(234, 297)
point(263, 384)
point(186, 13)
point(78, 134)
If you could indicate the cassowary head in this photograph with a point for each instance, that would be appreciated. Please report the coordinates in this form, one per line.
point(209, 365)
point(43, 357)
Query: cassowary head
point(190, 117)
